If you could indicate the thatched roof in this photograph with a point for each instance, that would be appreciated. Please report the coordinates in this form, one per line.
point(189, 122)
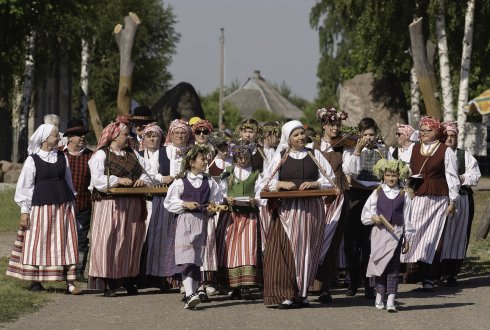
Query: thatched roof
point(256, 94)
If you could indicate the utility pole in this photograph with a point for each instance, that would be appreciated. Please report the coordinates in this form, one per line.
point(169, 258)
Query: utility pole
point(221, 76)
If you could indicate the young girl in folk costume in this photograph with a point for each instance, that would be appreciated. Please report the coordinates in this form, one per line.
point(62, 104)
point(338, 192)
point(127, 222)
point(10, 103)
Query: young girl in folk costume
point(458, 225)
point(118, 223)
point(222, 160)
point(248, 130)
point(338, 153)
point(356, 237)
point(436, 196)
point(237, 233)
point(295, 234)
point(46, 244)
point(390, 202)
point(191, 198)
point(405, 137)
point(270, 133)
point(166, 161)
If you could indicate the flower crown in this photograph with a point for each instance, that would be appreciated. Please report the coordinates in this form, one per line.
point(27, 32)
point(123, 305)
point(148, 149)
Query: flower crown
point(331, 114)
point(191, 152)
point(236, 148)
point(392, 165)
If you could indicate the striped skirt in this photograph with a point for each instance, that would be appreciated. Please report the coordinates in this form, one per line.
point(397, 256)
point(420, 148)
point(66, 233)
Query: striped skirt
point(35, 273)
point(293, 249)
point(455, 234)
point(51, 238)
point(428, 217)
point(118, 232)
point(238, 249)
point(332, 216)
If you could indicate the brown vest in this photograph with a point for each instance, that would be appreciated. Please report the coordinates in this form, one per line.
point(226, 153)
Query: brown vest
point(433, 172)
point(335, 159)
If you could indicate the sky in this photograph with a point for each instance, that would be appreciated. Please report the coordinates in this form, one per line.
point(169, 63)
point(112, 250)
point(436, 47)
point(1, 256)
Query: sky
point(273, 36)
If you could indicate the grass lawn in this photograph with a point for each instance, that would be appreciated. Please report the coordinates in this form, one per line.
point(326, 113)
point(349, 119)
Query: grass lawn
point(9, 211)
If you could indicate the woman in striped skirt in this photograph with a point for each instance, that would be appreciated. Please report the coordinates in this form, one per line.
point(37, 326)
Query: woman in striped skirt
point(238, 232)
point(118, 223)
point(295, 235)
point(46, 245)
point(434, 171)
point(458, 226)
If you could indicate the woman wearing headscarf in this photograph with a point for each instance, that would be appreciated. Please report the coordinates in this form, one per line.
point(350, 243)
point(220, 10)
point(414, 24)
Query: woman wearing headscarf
point(118, 223)
point(434, 167)
point(295, 234)
point(167, 163)
point(405, 138)
point(458, 225)
point(46, 245)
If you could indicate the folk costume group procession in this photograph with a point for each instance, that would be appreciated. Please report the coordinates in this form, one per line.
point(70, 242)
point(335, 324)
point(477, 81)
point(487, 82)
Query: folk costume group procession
point(271, 209)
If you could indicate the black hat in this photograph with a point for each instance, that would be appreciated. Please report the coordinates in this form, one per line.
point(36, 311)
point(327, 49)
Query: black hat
point(75, 126)
point(142, 114)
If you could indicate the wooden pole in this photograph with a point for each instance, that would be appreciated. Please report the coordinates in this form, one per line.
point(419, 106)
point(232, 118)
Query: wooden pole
point(94, 118)
point(125, 39)
point(221, 76)
point(484, 226)
point(422, 68)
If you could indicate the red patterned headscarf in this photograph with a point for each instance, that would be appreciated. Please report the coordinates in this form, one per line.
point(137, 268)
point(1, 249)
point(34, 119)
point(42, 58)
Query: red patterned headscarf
point(152, 127)
point(175, 124)
point(431, 122)
point(406, 130)
point(203, 123)
point(110, 132)
point(450, 126)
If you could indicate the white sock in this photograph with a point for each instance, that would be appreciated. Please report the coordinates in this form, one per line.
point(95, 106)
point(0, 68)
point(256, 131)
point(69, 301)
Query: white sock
point(391, 300)
point(379, 298)
point(188, 285)
point(287, 302)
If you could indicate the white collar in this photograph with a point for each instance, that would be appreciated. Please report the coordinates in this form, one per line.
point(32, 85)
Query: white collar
point(386, 189)
point(192, 176)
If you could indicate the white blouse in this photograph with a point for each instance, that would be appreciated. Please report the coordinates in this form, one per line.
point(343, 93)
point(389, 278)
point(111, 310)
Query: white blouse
point(472, 172)
point(276, 159)
point(173, 203)
point(98, 178)
point(25, 184)
point(349, 162)
point(404, 154)
point(370, 209)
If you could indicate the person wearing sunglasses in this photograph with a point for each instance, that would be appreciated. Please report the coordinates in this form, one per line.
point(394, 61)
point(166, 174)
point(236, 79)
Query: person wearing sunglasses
point(78, 155)
point(405, 138)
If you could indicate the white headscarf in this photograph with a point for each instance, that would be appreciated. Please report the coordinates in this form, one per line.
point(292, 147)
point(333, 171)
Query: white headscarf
point(39, 136)
point(286, 131)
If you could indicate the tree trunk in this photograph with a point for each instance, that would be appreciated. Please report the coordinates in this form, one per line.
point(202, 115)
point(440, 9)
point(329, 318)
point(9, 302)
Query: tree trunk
point(23, 119)
point(465, 70)
point(125, 39)
point(94, 119)
point(84, 82)
point(445, 73)
point(414, 98)
point(424, 78)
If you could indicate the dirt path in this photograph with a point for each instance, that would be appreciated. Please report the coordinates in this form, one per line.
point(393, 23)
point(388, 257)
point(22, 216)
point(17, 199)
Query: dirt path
point(465, 307)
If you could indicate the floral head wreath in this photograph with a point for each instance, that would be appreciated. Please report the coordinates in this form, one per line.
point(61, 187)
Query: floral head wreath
point(191, 153)
point(270, 128)
point(331, 114)
point(248, 126)
point(394, 165)
point(236, 148)
point(217, 139)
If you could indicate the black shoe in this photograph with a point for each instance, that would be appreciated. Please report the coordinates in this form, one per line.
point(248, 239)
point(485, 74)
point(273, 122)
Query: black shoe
point(203, 296)
point(236, 294)
point(303, 304)
point(81, 277)
point(109, 293)
point(451, 282)
point(351, 292)
point(428, 286)
point(36, 287)
point(325, 297)
point(369, 293)
point(287, 306)
point(132, 291)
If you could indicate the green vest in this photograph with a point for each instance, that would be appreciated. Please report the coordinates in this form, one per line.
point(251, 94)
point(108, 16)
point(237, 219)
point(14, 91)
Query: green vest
point(239, 188)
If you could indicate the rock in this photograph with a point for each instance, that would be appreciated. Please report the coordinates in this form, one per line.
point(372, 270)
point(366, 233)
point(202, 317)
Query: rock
point(381, 98)
point(11, 176)
point(6, 165)
point(17, 166)
point(1, 175)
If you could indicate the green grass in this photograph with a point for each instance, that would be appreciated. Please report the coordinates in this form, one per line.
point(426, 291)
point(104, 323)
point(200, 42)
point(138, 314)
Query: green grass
point(9, 211)
point(478, 259)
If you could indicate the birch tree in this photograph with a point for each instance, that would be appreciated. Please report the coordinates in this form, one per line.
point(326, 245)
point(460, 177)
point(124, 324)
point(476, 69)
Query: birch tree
point(414, 97)
point(444, 69)
point(465, 70)
point(84, 81)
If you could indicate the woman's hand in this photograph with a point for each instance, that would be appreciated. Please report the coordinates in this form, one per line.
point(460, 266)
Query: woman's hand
point(230, 200)
point(285, 185)
point(309, 185)
point(139, 183)
point(406, 247)
point(451, 208)
point(124, 182)
point(167, 179)
point(190, 205)
point(24, 220)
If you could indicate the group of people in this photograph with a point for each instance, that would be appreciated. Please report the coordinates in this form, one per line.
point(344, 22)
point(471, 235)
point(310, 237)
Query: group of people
point(272, 208)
